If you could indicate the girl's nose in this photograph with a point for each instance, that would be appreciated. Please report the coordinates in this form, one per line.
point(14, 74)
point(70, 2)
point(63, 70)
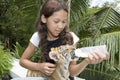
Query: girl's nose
point(60, 25)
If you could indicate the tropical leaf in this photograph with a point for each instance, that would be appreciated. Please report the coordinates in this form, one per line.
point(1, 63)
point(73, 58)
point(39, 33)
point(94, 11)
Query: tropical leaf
point(105, 70)
point(77, 12)
point(94, 73)
point(18, 51)
point(5, 62)
point(18, 17)
point(106, 19)
point(102, 27)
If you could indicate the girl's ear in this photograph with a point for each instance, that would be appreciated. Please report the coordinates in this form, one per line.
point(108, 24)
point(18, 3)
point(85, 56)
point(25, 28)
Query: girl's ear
point(43, 19)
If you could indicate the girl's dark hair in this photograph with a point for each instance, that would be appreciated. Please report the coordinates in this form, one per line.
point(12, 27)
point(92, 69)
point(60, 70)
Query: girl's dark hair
point(49, 7)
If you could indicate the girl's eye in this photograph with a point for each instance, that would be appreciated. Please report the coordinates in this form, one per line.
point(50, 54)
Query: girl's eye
point(64, 21)
point(56, 21)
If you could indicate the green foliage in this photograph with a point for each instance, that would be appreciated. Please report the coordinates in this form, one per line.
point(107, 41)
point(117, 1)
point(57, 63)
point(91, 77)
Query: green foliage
point(100, 71)
point(37, 56)
point(101, 26)
point(77, 11)
point(102, 21)
point(5, 62)
point(17, 52)
point(17, 19)
point(105, 70)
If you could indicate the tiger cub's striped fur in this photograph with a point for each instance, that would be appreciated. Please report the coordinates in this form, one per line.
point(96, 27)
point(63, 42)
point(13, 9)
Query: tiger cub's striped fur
point(62, 56)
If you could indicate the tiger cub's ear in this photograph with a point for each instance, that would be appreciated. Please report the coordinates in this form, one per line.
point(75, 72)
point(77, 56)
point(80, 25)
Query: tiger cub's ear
point(53, 54)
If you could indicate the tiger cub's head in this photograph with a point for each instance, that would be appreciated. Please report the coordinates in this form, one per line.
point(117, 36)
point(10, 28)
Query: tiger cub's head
point(63, 53)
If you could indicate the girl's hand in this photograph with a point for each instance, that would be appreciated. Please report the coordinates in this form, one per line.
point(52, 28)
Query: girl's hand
point(47, 68)
point(97, 57)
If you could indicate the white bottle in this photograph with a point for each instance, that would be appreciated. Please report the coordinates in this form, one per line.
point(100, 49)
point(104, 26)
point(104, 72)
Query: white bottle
point(85, 51)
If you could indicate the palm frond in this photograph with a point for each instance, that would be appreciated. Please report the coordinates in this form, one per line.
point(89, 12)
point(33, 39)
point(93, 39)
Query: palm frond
point(109, 18)
point(77, 9)
point(99, 29)
point(102, 21)
point(105, 69)
point(94, 72)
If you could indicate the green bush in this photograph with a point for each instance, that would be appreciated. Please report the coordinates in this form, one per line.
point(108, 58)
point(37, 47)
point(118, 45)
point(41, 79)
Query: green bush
point(37, 56)
point(18, 51)
point(5, 62)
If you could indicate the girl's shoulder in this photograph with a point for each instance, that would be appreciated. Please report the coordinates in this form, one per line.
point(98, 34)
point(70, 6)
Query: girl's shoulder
point(35, 39)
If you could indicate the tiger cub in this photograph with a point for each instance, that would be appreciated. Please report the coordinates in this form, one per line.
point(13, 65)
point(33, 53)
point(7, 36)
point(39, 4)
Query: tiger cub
point(62, 55)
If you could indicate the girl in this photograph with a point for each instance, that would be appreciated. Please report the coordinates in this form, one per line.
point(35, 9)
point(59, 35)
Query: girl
point(52, 31)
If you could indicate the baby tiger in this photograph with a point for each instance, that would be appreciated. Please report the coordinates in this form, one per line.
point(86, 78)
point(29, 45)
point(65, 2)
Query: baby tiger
point(62, 55)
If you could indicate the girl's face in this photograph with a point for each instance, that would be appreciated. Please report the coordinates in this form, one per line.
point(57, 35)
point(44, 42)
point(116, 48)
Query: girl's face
point(55, 23)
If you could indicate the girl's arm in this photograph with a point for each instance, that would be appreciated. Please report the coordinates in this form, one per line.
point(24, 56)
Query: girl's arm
point(75, 69)
point(24, 60)
point(93, 58)
point(45, 67)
